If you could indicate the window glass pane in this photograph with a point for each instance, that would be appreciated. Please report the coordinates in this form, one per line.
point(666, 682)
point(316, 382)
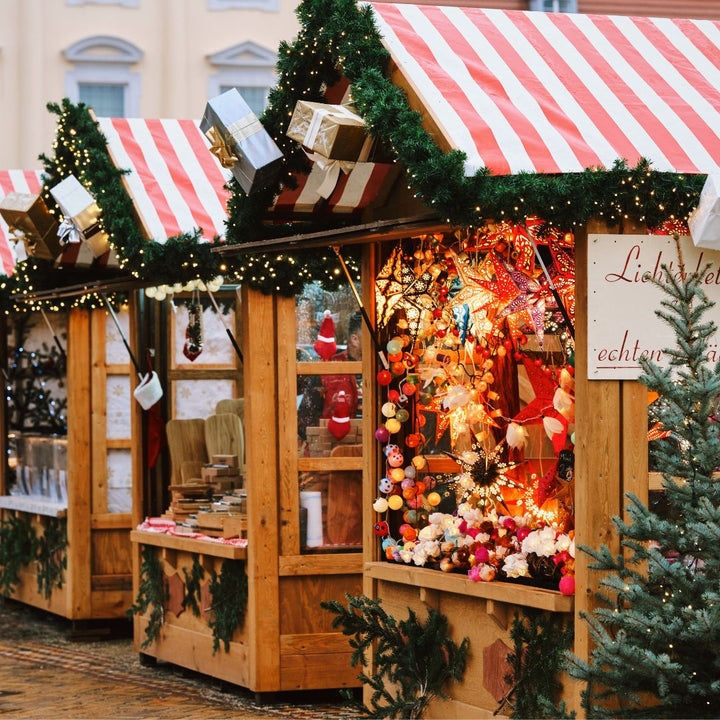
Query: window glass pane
point(329, 412)
point(255, 97)
point(105, 100)
point(330, 514)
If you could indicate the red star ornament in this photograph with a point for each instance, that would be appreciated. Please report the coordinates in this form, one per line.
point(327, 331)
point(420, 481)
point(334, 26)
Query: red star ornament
point(541, 406)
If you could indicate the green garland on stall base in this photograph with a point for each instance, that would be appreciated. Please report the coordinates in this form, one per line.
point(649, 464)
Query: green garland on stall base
point(412, 660)
point(152, 591)
point(229, 592)
point(18, 546)
point(340, 34)
point(51, 556)
point(193, 581)
point(540, 642)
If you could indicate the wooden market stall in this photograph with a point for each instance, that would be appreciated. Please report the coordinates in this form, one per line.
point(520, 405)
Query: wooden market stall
point(516, 93)
point(230, 605)
point(103, 467)
point(69, 479)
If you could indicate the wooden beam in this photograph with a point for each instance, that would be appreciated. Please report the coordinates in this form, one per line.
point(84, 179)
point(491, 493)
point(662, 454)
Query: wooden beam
point(261, 422)
point(78, 464)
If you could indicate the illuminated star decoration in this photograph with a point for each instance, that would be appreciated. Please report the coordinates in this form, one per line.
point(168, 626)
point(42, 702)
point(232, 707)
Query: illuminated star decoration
point(541, 406)
point(397, 287)
point(388, 287)
point(528, 306)
point(483, 477)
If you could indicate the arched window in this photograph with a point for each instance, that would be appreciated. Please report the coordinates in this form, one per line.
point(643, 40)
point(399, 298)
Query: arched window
point(249, 67)
point(101, 76)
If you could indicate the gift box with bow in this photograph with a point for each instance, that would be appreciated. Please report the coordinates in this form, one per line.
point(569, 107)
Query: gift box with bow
point(240, 142)
point(704, 221)
point(32, 225)
point(365, 185)
point(333, 131)
point(81, 216)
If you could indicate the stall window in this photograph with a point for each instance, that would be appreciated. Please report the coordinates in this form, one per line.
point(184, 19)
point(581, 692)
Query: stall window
point(102, 77)
point(204, 364)
point(477, 404)
point(37, 403)
point(249, 67)
point(329, 409)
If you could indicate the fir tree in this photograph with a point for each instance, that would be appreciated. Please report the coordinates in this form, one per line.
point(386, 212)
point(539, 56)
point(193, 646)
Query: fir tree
point(657, 633)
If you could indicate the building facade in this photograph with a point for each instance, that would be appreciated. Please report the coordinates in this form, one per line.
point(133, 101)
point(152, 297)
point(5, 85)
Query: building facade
point(164, 58)
point(131, 58)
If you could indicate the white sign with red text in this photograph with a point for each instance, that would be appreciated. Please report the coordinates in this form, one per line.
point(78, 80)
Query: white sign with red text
point(622, 300)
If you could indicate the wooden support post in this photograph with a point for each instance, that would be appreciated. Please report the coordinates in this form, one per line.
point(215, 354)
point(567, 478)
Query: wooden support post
point(78, 464)
point(261, 421)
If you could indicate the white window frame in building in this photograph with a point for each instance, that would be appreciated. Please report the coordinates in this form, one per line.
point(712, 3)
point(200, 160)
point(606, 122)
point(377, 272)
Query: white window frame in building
point(267, 5)
point(104, 60)
point(245, 65)
point(571, 6)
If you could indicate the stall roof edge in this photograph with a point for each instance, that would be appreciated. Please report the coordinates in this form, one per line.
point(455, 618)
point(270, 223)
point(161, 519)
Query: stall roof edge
point(377, 231)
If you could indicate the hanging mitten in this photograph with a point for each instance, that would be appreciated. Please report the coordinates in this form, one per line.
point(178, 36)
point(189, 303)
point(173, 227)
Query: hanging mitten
point(325, 345)
point(194, 333)
point(339, 422)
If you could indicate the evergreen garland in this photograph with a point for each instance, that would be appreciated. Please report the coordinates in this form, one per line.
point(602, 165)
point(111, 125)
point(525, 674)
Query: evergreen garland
point(229, 592)
point(339, 34)
point(18, 547)
point(152, 591)
point(51, 556)
point(656, 632)
point(413, 659)
point(193, 581)
point(539, 645)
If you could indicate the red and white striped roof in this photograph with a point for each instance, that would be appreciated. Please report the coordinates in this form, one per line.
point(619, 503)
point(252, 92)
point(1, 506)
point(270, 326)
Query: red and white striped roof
point(22, 181)
point(560, 92)
point(176, 184)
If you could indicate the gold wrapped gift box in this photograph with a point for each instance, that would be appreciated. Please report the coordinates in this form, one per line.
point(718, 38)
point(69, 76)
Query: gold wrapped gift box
point(29, 218)
point(333, 131)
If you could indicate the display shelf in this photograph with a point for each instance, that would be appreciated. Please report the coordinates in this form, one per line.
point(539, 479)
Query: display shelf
point(34, 504)
point(188, 544)
point(436, 580)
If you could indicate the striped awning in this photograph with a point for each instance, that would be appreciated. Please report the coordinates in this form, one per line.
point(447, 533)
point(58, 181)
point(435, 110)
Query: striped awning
point(176, 184)
point(21, 181)
point(558, 93)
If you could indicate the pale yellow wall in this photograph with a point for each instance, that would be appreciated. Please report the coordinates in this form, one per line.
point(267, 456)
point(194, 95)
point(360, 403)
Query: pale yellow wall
point(176, 36)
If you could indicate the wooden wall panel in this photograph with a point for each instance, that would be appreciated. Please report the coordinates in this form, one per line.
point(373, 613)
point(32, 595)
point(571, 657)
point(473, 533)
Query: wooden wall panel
point(300, 599)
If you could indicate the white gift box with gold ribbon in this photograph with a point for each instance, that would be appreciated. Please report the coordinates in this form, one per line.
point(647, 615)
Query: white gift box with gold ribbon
point(81, 216)
point(240, 142)
point(704, 221)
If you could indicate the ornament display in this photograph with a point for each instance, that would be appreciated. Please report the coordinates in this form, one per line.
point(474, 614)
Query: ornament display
point(194, 338)
point(477, 404)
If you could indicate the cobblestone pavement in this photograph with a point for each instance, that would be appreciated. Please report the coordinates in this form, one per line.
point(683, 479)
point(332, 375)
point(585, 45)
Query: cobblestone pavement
point(50, 671)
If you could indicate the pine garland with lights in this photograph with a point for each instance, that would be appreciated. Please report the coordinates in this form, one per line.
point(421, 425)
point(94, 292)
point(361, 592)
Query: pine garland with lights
point(657, 632)
point(339, 34)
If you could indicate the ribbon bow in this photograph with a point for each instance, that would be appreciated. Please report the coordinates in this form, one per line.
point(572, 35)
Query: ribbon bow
point(332, 169)
point(68, 232)
point(24, 244)
point(220, 148)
